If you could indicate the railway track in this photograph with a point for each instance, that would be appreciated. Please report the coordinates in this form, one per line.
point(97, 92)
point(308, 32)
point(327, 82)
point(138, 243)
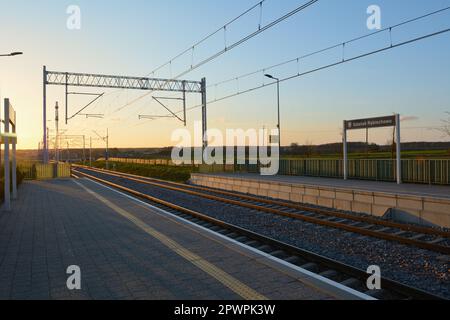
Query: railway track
point(326, 267)
point(420, 237)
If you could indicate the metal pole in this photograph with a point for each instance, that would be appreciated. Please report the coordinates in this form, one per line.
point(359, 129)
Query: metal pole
point(264, 136)
point(0, 132)
point(204, 115)
point(107, 149)
point(279, 125)
point(84, 149)
point(7, 200)
point(90, 151)
point(399, 150)
point(57, 132)
point(67, 96)
point(184, 102)
point(14, 162)
point(0, 142)
point(44, 115)
point(367, 141)
point(68, 152)
point(344, 141)
point(47, 141)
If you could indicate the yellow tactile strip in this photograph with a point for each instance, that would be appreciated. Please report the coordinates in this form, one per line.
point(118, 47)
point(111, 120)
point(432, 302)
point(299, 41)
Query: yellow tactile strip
point(227, 280)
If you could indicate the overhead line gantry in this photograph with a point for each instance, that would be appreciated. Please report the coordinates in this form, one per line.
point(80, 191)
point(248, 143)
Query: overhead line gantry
point(87, 80)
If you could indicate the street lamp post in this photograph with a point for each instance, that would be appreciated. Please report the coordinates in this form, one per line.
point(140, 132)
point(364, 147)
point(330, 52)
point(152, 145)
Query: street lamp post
point(278, 100)
point(12, 54)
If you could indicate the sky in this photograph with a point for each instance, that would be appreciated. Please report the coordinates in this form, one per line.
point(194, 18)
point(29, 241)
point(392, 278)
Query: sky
point(135, 37)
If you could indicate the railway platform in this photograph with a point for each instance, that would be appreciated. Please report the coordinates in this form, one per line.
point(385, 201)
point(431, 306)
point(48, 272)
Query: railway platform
point(126, 249)
point(413, 203)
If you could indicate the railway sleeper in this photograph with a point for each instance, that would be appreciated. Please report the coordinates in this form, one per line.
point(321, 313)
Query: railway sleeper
point(233, 235)
point(384, 229)
point(306, 213)
point(330, 274)
point(293, 260)
point(241, 239)
point(436, 241)
point(417, 236)
point(367, 226)
point(278, 253)
point(351, 283)
point(311, 266)
point(377, 294)
point(265, 247)
point(252, 243)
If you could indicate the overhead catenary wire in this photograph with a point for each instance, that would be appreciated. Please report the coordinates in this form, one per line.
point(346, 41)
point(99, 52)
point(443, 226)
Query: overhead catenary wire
point(211, 58)
point(209, 36)
point(339, 62)
point(340, 44)
point(227, 48)
point(328, 66)
point(191, 49)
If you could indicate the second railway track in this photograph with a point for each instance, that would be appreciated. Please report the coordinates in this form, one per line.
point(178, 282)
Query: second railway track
point(420, 237)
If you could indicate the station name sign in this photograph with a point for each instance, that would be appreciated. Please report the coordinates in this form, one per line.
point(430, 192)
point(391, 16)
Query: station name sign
point(379, 122)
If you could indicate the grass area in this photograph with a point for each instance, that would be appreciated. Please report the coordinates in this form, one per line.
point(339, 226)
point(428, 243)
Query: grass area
point(169, 173)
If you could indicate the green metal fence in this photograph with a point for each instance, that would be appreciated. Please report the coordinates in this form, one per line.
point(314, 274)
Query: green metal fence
point(427, 171)
point(35, 170)
point(152, 162)
point(28, 169)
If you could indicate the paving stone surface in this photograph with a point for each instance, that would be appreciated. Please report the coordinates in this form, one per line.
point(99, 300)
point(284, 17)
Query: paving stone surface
point(56, 224)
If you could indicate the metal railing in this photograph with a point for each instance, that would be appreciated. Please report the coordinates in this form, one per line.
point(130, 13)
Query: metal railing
point(36, 170)
point(427, 171)
point(27, 168)
point(152, 162)
point(424, 171)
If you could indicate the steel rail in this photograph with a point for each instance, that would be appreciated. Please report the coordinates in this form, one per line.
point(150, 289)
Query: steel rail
point(302, 207)
point(317, 221)
point(389, 286)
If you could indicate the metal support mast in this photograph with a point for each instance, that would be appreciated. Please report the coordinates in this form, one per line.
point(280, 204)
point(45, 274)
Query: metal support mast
point(84, 150)
point(90, 151)
point(57, 132)
point(106, 140)
point(45, 139)
point(204, 114)
point(69, 79)
point(107, 149)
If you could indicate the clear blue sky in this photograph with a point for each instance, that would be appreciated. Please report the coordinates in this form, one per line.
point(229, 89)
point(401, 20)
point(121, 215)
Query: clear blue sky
point(134, 37)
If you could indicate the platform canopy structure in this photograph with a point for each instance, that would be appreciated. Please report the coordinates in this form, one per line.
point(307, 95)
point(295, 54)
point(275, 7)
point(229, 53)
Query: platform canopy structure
point(86, 80)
